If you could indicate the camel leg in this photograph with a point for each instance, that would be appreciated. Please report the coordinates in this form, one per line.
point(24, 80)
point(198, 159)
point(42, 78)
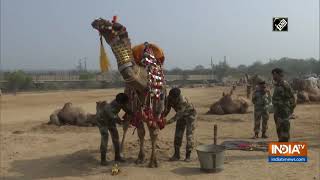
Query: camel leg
point(141, 134)
point(154, 136)
point(125, 128)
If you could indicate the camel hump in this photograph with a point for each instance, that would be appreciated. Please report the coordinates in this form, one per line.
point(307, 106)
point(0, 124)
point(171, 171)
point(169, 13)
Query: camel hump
point(138, 51)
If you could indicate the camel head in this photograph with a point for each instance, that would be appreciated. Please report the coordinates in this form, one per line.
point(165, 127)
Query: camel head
point(101, 25)
point(226, 98)
point(302, 97)
point(110, 30)
point(67, 105)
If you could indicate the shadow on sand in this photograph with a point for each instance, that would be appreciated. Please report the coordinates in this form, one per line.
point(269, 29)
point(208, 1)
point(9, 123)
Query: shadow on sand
point(80, 163)
point(187, 171)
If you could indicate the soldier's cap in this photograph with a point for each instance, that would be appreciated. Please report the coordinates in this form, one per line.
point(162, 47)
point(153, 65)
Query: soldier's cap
point(277, 71)
point(122, 98)
point(175, 92)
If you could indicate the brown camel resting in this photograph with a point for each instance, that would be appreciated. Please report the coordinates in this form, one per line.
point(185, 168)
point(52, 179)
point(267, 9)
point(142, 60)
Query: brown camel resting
point(306, 91)
point(70, 115)
point(228, 105)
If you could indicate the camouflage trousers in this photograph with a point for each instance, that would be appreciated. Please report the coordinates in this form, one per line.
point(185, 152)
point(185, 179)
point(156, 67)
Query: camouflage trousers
point(187, 122)
point(258, 116)
point(283, 127)
point(248, 91)
point(105, 137)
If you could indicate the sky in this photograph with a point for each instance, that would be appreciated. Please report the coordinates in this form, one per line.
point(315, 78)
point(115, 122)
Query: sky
point(55, 34)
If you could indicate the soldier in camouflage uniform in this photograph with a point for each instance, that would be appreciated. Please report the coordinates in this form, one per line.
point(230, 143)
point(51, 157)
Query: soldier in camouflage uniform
point(186, 119)
point(261, 99)
point(284, 103)
point(107, 117)
point(248, 90)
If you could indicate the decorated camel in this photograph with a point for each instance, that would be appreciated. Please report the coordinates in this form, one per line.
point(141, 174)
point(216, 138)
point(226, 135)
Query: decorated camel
point(229, 105)
point(141, 69)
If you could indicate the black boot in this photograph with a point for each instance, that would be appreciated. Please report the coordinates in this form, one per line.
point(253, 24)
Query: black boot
point(176, 155)
point(117, 156)
point(264, 135)
point(103, 159)
point(188, 154)
point(256, 135)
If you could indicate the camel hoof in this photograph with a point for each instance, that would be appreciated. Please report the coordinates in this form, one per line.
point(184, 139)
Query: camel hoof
point(153, 164)
point(150, 165)
point(139, 161)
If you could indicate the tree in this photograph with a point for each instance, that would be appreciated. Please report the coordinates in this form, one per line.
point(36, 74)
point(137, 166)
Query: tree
point(199, 68)
point(175, 71)
point(18, 80)
point(221, 70)
point(242, 68)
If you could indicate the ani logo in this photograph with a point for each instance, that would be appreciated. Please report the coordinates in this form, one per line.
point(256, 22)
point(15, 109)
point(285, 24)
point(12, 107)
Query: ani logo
point(280, 24)
point(287, 152)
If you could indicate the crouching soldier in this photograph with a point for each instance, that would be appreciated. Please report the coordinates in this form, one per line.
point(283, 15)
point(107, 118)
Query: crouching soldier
point(284, 103)
point(186, 119)
point(107, 117)
point(261, 99)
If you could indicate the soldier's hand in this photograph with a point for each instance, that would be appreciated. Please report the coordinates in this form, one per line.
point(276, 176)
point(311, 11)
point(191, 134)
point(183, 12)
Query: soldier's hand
point(119, 121)
point(169, 121)
point(268, 91)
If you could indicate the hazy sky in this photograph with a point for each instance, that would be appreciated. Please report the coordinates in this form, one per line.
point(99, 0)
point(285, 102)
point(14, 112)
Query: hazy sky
point(55, 34)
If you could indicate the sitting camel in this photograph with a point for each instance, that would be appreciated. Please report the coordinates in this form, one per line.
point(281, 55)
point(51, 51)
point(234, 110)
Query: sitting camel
point(307, 92)
point(228, 105)
point(72, 116)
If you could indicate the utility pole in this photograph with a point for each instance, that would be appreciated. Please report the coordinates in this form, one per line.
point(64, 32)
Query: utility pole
point(85, 64)
point(80, 65)
point(212, 69)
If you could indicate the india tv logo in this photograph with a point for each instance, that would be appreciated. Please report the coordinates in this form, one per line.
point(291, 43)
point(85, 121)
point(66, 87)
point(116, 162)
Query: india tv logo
point(287, 152)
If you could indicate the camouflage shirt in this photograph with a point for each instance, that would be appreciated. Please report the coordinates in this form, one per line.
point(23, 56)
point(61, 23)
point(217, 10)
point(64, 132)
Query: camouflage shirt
point(283, 99)
point(110, 113)
point(182, 107)
point(261, 100)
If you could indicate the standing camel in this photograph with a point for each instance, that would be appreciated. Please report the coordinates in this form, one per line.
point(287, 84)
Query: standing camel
point(141, 69)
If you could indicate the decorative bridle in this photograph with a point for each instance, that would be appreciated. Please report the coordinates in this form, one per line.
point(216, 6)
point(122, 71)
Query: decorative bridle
point(154, 93)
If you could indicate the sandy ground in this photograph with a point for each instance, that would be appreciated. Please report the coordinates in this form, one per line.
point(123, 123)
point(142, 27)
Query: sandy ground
point(30, 149)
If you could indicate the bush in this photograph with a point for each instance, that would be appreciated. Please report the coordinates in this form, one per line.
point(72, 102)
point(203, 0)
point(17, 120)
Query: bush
point(18, 80)
point(86, 76)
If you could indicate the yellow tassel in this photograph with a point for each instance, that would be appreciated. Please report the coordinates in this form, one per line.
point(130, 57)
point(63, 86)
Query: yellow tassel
point(104, 60)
